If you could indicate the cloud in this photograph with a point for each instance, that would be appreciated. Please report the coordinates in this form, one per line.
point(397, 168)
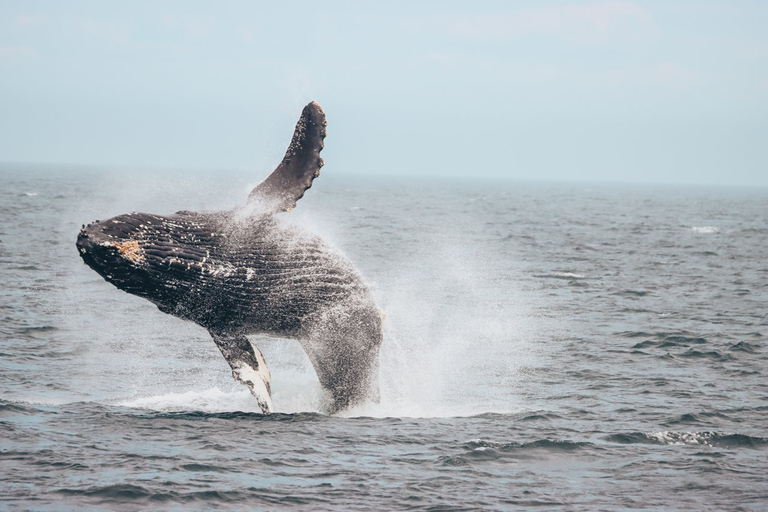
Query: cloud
point(605, 16)
point(197, 27)
point(755, 50)
point(512, 75)
point(27, 21)
point(591, 22)
point(664, 75)
point(249, 33)
point(675, 74)
point(101, 29)
point(191, 26)
point(17, 52)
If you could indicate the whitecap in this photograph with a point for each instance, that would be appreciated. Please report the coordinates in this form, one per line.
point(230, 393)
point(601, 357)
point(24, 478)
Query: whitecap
point(706, 230)
point(569, 275)
point(682, 438)
point(561, 275)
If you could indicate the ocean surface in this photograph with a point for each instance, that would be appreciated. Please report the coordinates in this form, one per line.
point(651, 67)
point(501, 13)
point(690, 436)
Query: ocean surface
point(548, 346)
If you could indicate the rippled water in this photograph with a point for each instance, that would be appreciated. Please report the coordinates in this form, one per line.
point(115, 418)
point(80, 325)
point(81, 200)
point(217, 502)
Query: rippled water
point(547, 346)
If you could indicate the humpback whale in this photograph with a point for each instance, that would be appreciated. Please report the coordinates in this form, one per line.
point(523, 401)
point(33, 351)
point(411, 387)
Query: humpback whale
point(244, 272)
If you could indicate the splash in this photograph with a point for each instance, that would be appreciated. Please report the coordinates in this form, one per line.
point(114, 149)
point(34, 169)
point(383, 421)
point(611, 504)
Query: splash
point(456, 337)
point(454, 345)
point(212, 400)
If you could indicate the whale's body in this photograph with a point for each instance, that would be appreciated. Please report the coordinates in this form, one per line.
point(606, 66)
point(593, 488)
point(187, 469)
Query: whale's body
point(244, 272)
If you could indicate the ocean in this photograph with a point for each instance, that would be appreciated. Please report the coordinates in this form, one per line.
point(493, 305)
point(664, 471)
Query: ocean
point(547, 346)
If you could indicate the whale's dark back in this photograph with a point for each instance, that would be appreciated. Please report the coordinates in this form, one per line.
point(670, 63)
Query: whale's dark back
point(221, 272)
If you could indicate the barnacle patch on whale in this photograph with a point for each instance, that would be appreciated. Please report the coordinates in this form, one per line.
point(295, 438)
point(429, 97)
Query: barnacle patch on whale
point(130, 250)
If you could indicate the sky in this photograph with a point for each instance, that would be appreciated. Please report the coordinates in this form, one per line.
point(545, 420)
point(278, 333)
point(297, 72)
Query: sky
point(630, 91)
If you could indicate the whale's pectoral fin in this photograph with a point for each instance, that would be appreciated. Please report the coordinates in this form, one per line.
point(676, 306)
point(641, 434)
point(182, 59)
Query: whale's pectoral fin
point(248, 366)
point(301, 164)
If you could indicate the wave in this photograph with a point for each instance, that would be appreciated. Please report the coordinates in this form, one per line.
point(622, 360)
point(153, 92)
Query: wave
point(560, 275)
point(137, 494)
point(743, 346)
point(632, 293)
point(37, 329)
point(10, 408)
point(664, 339)
point(546, 444)
point(711, 354)
point(716, 439)
point(250, 417)
point(482, 450)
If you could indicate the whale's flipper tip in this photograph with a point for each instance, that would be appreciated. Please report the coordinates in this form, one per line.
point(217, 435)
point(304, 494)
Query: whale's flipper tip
point(248, 367)
point(301, 164)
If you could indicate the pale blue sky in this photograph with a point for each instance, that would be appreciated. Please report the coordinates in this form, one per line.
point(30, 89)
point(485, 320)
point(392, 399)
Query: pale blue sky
point(659, 91)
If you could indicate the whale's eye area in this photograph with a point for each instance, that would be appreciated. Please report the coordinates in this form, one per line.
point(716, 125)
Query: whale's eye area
point(130, 250)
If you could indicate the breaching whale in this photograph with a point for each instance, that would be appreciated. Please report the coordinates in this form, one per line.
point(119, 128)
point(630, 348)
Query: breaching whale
point(244, 272)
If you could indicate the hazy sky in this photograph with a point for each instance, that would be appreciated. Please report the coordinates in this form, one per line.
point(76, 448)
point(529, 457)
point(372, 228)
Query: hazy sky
point(667, 91)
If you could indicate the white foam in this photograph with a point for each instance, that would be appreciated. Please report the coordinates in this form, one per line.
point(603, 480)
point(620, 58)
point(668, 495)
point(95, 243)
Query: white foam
point(210, 400)
point(682, 438)
point(706, 230)
point(570, 275)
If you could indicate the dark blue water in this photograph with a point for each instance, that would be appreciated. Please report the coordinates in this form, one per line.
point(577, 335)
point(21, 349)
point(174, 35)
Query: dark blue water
point(547, 346)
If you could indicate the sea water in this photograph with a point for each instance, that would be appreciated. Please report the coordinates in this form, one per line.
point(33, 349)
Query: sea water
point(547, 346)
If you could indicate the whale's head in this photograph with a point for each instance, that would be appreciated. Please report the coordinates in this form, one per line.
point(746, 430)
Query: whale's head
point(115, 248)
point(162, 259)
